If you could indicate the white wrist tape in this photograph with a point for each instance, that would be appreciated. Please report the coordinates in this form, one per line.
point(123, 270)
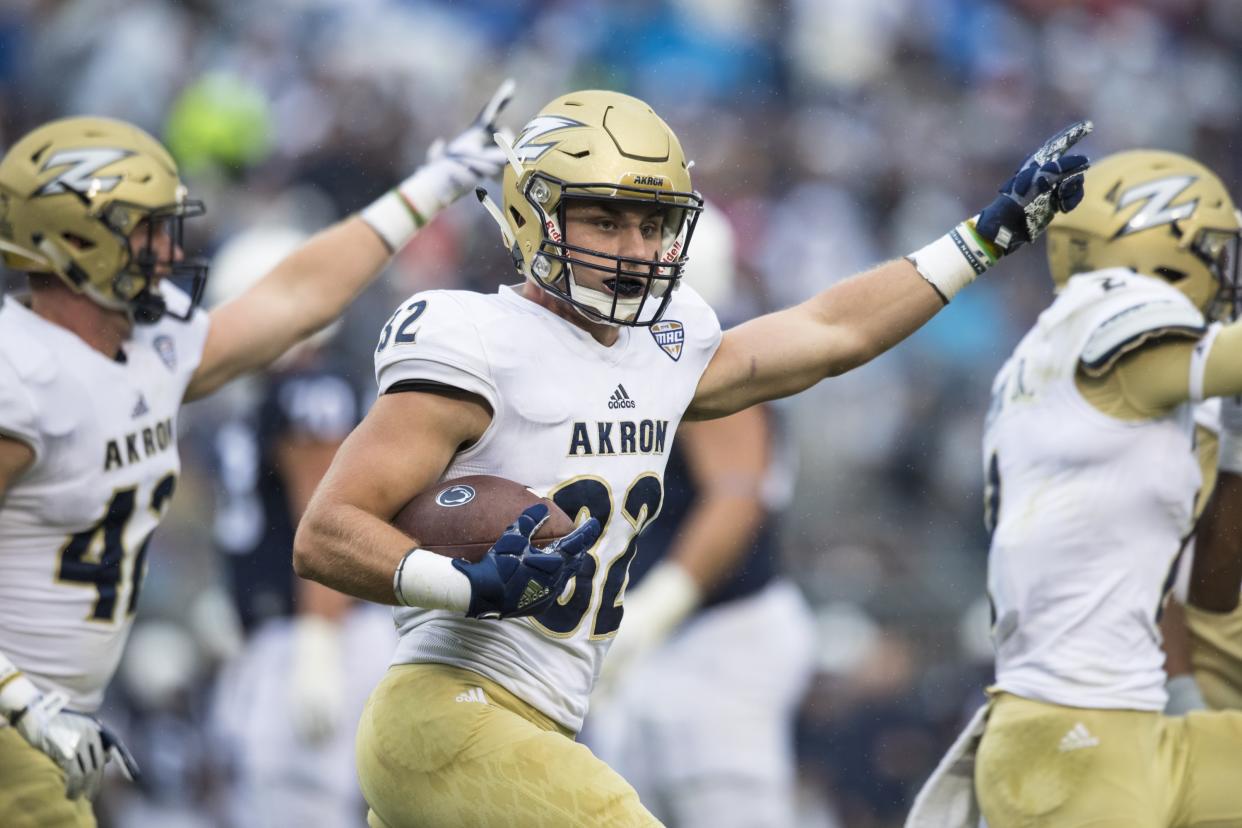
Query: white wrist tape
point(393, 218)
point(16, 691)
point(399, 213)
point(425, 579)
point(953, 261)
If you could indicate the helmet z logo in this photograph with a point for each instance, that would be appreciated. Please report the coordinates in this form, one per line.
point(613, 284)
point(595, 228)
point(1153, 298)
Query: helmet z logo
point(526, 148)
point(1158, 194)
point(80, 177)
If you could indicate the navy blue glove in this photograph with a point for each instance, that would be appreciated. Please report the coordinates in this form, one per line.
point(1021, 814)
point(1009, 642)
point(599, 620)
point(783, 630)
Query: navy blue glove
point(1048, 182)
point(514, 578)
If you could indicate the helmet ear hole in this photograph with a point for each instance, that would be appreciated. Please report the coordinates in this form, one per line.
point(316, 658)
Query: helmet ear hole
point(518, 219)
point(77, 242)
point(1170, 274)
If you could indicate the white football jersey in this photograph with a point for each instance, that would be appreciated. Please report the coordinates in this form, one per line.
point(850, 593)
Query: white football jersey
point(74, 528)
point(1089, 511)
point(588, 426)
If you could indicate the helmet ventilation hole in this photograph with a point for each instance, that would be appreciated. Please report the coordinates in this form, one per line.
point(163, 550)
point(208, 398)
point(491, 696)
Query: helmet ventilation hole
point(77, 241)
point(518, 219)
point(1170, 273)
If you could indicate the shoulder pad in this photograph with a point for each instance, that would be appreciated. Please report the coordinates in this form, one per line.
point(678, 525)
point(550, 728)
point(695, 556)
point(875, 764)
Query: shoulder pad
point(1137, 324)
point(31, 358)
point(432, 337)
point(19, 415)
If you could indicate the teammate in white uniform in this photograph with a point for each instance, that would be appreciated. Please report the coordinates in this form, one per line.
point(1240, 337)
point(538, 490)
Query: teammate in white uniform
point(1092, 480)
point(573, 383)
point(93, 371)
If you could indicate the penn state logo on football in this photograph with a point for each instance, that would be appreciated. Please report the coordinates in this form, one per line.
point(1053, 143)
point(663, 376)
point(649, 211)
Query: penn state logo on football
point(670, 335)
point(458, 495)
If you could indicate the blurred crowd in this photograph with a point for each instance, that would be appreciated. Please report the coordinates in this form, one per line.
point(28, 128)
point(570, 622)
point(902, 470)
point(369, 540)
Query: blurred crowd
point(833, 134)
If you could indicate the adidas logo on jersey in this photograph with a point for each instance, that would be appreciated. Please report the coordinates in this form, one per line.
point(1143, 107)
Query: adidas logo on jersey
point(473, 695)
point(140, 408)
point(1077, 739)
point(621, 399)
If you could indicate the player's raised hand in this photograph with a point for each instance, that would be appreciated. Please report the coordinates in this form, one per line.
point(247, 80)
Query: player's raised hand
point(457, 166)
point(452, 168)
point(1047, 182)
point(515, 578)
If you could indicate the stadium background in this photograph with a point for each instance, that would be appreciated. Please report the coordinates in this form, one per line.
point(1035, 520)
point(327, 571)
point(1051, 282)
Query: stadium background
point(833, 134)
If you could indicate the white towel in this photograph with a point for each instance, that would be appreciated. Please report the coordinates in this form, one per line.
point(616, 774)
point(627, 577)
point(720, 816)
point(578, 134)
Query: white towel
point(947, 799)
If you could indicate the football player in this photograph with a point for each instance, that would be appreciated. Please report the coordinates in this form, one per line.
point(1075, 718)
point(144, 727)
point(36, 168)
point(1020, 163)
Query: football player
point(711, 627)
point(94, 368)
point(1092, 480)
point(573, 382)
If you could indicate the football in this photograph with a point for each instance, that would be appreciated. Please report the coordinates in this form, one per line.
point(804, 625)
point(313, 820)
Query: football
point(463, 517)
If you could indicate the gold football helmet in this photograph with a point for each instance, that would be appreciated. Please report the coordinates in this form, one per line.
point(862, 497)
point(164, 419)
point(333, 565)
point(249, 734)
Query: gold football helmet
point(72, 194)
point(598, 145)
point(1157, 213)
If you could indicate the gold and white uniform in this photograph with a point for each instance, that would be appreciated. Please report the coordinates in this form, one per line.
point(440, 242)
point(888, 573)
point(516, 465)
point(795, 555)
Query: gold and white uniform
point(474, 723)
point(588, 426)
point(74, 528)
point(1089, 511)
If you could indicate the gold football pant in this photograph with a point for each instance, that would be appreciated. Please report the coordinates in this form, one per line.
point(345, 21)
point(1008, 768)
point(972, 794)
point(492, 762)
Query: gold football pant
point(32, 789)
point(441, 746)
point(1042, 764)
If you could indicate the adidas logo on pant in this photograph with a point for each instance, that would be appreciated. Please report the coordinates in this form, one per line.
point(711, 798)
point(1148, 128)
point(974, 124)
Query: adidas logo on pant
point(474, 694)
point(1077, 738)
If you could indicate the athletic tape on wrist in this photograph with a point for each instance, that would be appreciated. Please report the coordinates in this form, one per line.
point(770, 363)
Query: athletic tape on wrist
point(425, 579)
point(394, 219)
point(953, 261)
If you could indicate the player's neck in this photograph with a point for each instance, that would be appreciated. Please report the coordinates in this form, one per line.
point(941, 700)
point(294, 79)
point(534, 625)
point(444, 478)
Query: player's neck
point(102, 329)
point(605, 335)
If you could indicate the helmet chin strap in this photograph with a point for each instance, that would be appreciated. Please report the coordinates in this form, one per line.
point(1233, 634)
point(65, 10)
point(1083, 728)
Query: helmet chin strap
point(600, 302)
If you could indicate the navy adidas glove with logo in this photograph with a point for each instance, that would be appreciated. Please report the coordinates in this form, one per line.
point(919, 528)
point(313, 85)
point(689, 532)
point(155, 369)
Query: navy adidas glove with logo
point(515, 578)
point(1047, 183)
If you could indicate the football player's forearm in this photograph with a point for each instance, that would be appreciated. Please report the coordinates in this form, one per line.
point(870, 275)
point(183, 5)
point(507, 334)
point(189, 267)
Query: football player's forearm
point(1216, 576)
point(870, 312)
point(324, 275)
point(303, 294)
point(716, 535)
point(728, 461)
point(349, 550)
point(781, 354)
